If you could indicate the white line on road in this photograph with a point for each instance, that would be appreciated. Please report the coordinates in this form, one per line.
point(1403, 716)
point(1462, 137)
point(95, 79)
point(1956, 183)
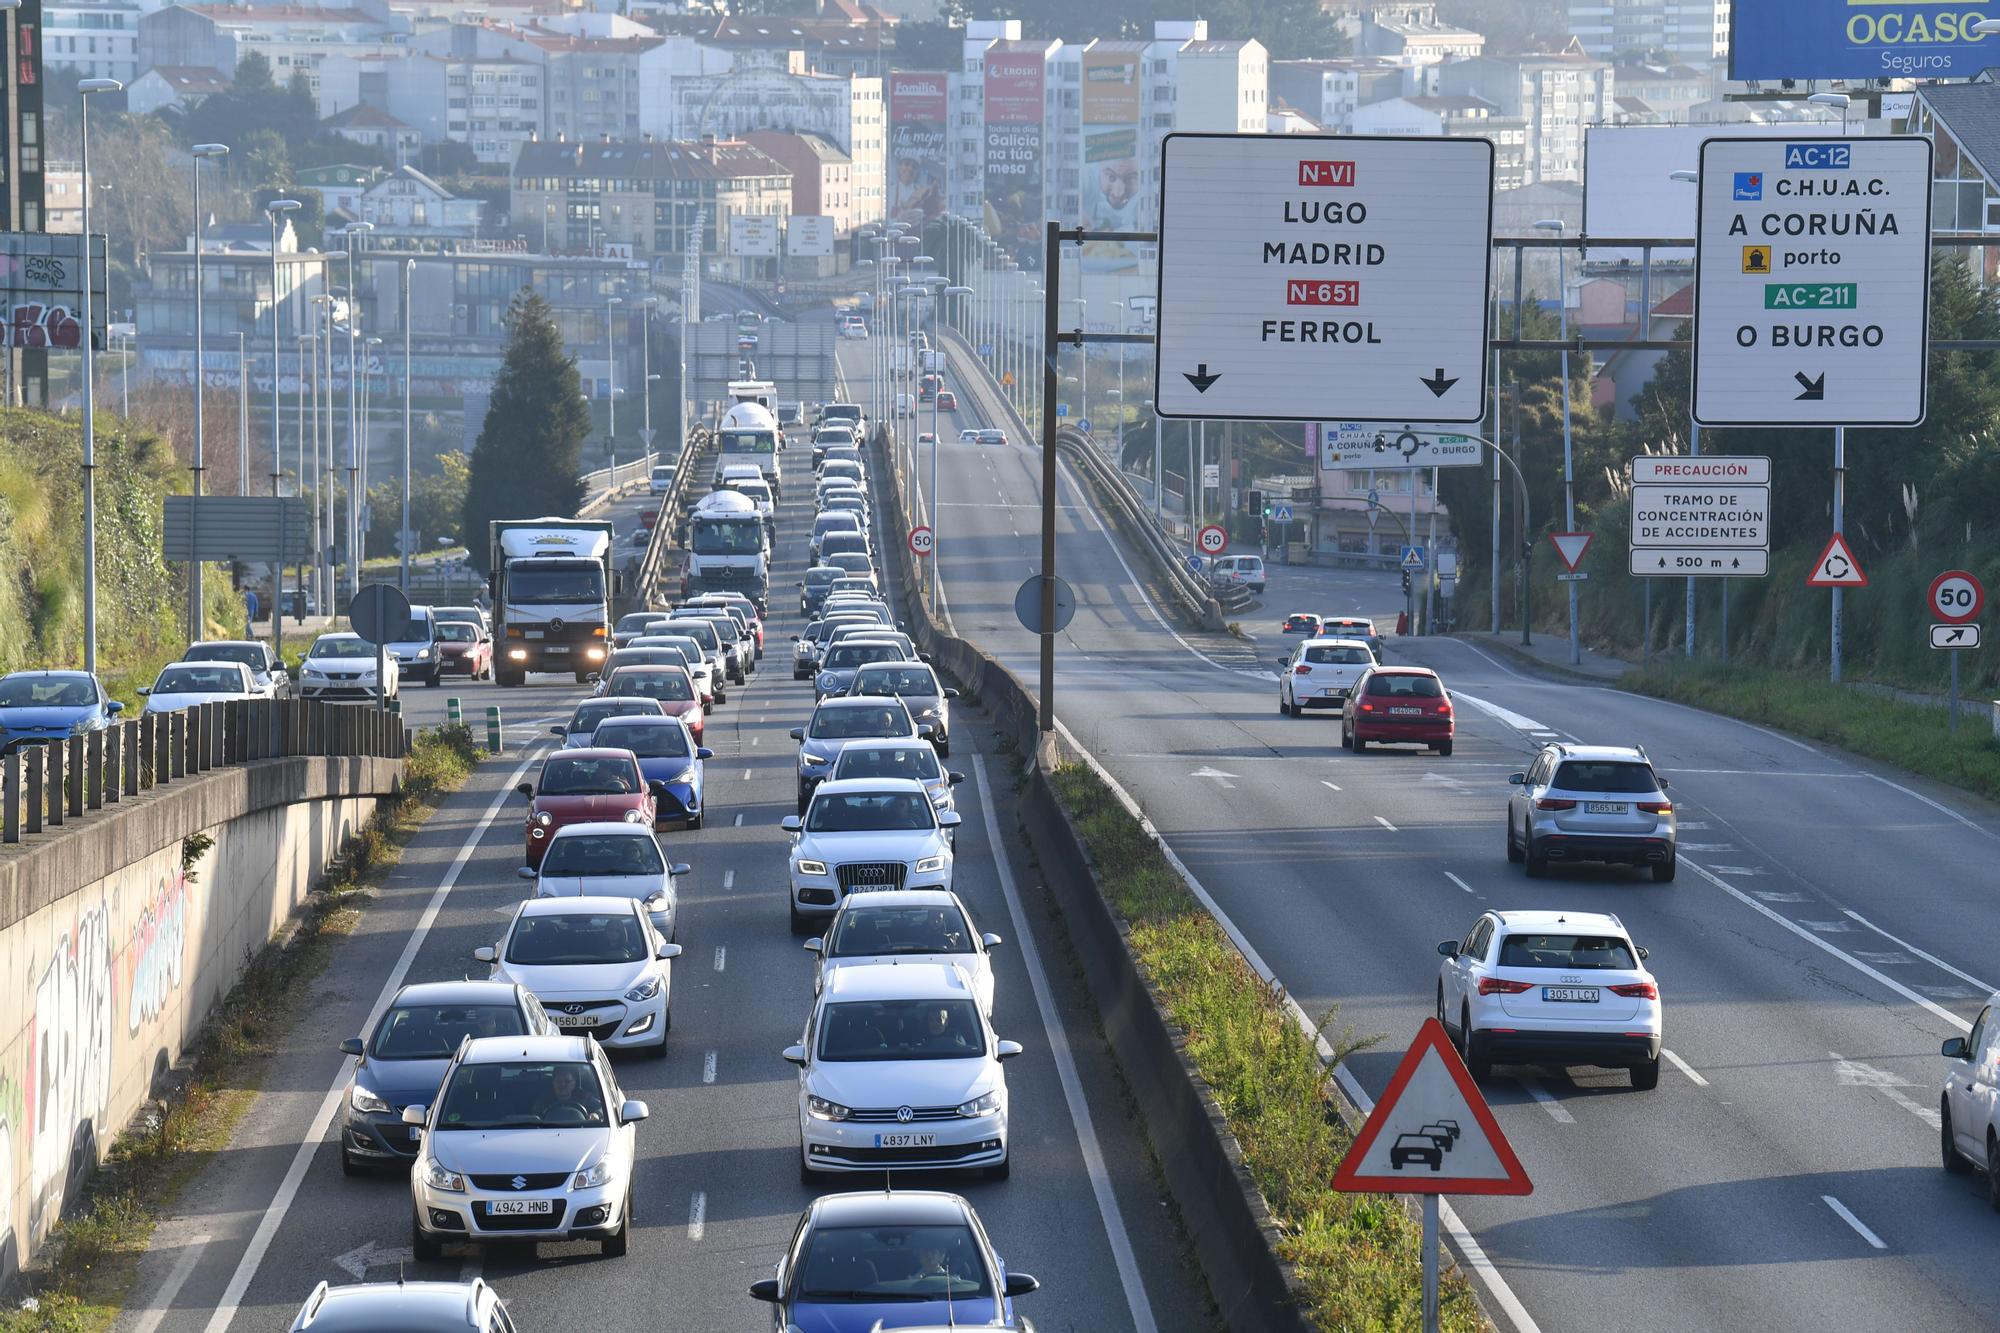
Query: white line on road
point(721, 957)
point(1985, 987)
point(288, 1188)
point(1461, 883)
point(1684, 1067)
point(746, 774)
point(1853, 1221)
point(729, 879)
point(1328, 785)
point(708, 1067)
point(1385, 824)
point(755, 739)
point(697, 1215)
point(1507, 715)
point(1072, 1085)
point(177, 1276)
point(1941, 809)
point(1557, 1111)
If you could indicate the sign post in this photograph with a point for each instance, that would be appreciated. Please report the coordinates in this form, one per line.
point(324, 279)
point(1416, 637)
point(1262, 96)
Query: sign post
point(1703, 516)
point(1956, 598)
point(378, 612)
point(921, 540)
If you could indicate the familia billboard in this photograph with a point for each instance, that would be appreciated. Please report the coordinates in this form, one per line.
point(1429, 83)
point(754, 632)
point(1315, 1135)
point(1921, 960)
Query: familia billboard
point(1110, 175)
point(1859, 39)
point(1014, 211)
point(917, 111)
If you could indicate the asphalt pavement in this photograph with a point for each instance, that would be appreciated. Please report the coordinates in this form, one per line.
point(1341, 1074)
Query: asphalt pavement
point(1831, 924)
point(717, 1188)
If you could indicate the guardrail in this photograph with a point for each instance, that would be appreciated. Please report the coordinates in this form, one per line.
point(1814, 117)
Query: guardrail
point(42, 785)
point(673, 502)
point(601, 486)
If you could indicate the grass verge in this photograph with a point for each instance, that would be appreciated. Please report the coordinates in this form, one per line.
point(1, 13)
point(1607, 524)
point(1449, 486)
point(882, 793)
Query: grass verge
point(1910, 736)
point(1359, 1255)
point(85, 1268)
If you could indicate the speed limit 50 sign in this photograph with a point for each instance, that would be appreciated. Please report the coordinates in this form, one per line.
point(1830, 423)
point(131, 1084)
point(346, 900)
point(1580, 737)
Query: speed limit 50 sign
point(1212, 540)
point(1957, 597)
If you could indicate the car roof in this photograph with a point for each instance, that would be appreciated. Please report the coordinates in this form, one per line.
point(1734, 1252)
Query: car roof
point(336, 634)
point(1628, 753)
point(228, 643)
point(376, 1305)
point(842, 786)
point(896, 981)
point(1333, 641)
point(1603, 922)
point(498, 1050)
point(454, 992)
point(590, 752)
point(603, 827)
point(199, 662)
point(859, 701)
point(576, 906)
point(1383, 670)
point(899, 898)
point(644, 719)
point(889, 1207)
point(46, 675)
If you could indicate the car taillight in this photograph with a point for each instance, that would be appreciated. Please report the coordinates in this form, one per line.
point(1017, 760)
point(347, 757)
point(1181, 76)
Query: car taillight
point(1656, 807)
point(1444, 708)
point(1637, 990)
point(1367, 707)
point(1302, 670)
point(1502, 986)
point(1551, 803)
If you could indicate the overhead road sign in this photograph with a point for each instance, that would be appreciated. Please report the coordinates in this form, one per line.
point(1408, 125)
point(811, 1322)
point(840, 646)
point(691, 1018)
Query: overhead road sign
point(1836, 331)
point(1701, 516)
point(1957, 597)
point(1570, 547)
point(1954, 636)
point(1837, 567)
point(254, 528)
point(1431, 1132)
point(1297, 272)
point(1358, 444)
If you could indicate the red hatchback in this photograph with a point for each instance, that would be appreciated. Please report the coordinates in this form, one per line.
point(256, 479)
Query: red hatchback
point(1399, 705)
point(466, 650)
point(584, 786)
point(672, 686)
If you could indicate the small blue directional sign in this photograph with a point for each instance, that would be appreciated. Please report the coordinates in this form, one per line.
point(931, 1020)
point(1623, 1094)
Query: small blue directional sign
point(986, 349)
point(1413, 557)
point(1374, 499)
point(1282, 513)
point(1194, 563)
point(1083, 424)
point(1062, 409)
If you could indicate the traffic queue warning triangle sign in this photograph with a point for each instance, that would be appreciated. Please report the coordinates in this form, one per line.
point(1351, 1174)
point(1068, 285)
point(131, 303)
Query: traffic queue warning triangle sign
point(1571, 546)
point(1431, 1133)
point(1837, 567)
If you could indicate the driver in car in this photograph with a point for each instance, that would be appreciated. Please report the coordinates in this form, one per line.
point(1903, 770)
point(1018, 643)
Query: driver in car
point(562, 1102)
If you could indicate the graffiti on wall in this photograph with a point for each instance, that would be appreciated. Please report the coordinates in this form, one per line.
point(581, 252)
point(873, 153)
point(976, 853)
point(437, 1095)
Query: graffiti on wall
point(69, 1063)
point(154, 955)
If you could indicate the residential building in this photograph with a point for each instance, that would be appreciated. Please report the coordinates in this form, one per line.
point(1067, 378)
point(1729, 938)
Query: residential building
point(822, 175)
point(1670, 91)
point(1962, 121)
point(1285, 120)
point(1554, 94)
point(842, 47)
point(375, 128)
point(1691, 30)
point(646, 194)
point(183, 87)
point(292, 37)
point(340, 185)
point(96, 39)
point(1466, 117)
point(1223, 87)
point(407, 203)
point(848, 112)
point(1413, 33)
point(491, 103)
point(62, 191)
point(1328, 91)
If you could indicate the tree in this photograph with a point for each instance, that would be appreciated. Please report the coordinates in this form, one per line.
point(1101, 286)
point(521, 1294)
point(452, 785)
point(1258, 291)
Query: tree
point(525, 461)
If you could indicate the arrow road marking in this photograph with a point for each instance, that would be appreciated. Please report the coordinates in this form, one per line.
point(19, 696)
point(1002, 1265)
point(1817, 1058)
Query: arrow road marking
point(1437, 383)
point(1201, 379)
point(1217, 774)
point(1810, 390)
point(356, 1262)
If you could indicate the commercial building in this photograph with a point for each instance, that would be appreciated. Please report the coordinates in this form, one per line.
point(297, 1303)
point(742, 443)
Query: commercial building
point(645, 194)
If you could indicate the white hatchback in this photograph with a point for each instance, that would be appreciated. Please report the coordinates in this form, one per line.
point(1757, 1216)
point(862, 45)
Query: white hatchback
point(1969, 1105)
point(607, 860)
point(1556, 988)
point(596, 964)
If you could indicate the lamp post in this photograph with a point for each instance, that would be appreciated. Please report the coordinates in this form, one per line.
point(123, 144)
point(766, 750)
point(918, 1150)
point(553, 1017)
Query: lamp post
point(321, 535)
point(199, 152)
point(611, 304)
point(275, 210)
point(1569, 457)
point(646, 367)
point(1694, 450)
point(353, 232)
point(242, 414)
point(937, 604)
point(1839, 101)
point(86, 88)
point(307, 344)
point(403, 541)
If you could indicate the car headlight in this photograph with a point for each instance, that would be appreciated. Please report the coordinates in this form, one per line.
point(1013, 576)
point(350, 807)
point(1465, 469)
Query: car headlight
point(686, 775)
point(439, 1178)
point(543, 819)
point(634, 816)
point(423, 654)
point(366, 1099)
point(989, 1104)
point(805, 866)
point(592, 1176)
point(827, 680)
point(813, 758)
point(927, 712)
point(644, 991)
point(819, 1108)
point(930, 863)
point(79, 727)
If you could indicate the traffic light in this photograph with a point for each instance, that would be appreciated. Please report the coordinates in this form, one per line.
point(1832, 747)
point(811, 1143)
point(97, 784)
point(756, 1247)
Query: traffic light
point(1406, 583)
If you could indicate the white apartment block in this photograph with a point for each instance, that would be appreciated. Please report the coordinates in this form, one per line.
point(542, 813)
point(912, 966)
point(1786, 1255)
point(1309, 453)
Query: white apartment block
point(1553, 95)
point(1691, 30)
point(98, 39)
point(490, 103)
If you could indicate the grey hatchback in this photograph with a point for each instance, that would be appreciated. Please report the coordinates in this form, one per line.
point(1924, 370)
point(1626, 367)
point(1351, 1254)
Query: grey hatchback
point(412, 1307)
point(1591, 803)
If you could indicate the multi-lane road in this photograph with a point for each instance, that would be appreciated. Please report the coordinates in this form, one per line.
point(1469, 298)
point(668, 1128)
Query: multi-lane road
point(1831, 924)
point(717, 1189)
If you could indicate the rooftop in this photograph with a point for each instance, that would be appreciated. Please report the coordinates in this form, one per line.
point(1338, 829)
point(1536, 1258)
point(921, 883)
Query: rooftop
point(1971, 111)
point(362, 116)
point(193, 78)
point(656, 159)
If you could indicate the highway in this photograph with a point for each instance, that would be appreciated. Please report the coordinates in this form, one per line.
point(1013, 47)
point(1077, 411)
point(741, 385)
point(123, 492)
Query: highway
point(717, 1193)
point(1831, 924)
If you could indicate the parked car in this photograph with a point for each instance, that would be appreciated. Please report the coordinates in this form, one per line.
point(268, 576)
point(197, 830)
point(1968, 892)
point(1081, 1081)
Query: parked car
point(37, 706)
point(876, 833)
point(465, 650)
point(342, 666)
point(1398, 705)
point(611, 861)
point(597, 965)
point(273, 681)
point(186, 684)
point(582, 786)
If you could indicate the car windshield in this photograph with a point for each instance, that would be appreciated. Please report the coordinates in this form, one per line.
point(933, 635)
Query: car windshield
point(342, 648)
point(856, 563)
point(1301, 622)
point(577, 939)
point(637, 621)
point(836, 521)
point(919, 762)
point(851, 723)
point(522, 1095)
point(603, 854)
point(930, 1029)
point(419, 628)
point(1339, 656)
point(848, 655)
point(1360, 629)
point(220, 679)
point(648, 740)
point(668, 685)
point(882, 1264)
point(701, 632)
point(898, 680)
point(1603, 953)
point(748, 442)
point(869, 812)
point(568, 776)
point(578, 583)
point(1600, 775)
point(452, 631)
point(725, 626)
point(469, 614)
point(631, 657)
point(1402, 685)
point(843, 543)
point(588, 715)
point(821, 575)
point(736, 535)
point(433, 1031)
point(249, 654)
point(874, 931)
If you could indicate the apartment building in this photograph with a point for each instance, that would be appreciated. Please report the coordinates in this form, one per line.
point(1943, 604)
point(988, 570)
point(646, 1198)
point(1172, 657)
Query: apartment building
point(1328, 91)
point(1553, 94)
point(95, 39)
point(292, 37)
point(645, 194)
point(1691, 30)
point(784, 94)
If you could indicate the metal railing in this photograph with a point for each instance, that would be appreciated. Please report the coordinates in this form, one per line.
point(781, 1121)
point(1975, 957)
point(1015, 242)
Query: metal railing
point(674, 502)
point(1136, 518)
point(600, 486)
point(42, 786)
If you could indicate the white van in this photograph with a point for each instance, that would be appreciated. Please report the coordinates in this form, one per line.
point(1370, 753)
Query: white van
point(1237, 571)
point(905, 404)
point(663, 479)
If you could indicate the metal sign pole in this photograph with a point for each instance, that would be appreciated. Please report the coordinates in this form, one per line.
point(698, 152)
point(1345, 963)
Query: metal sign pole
point(1430, 1263)
point(1953, 725)
point(1839, 498)
point(1052, 270)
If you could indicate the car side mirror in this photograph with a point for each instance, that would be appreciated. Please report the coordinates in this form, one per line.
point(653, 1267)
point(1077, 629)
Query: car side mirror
point(1448, 948)
point(950, 693)
point(416, 1115)
point(991, 941)
point(116, 706)
point(1022, 1284)
point(525, 872)
point(1644, 953)
point(764, 1289)
point(657, 787)
point(1953, 1048)
point(926, 730)
point(815, 945)
point(526, 789)
point(680, 868)
point(558, 731)
point(352, 1046)
point(703, 752)
point(1006, 1050)
point(790, 823)
point(667, 951)
point(632, 1112)
point(798, 733)
point(955, 778)
point(485, 953)
point(592, 677)
point(794, 1055)
point(950, 819)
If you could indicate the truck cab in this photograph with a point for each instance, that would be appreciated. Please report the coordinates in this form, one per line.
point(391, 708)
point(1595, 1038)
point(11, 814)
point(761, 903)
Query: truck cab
point(728, 548)
point(551, 583)
point(748, 433)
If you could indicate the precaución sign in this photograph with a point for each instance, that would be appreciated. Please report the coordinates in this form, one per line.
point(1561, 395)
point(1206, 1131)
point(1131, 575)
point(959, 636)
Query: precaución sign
point(1302, 277)
point(1706, 517)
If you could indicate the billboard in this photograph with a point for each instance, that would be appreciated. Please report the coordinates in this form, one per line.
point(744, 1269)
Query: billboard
point(1858, 39)
point(1014, 209)
point(752, 235)
point(1111, 179)
point(808, 236)
point(918, 109)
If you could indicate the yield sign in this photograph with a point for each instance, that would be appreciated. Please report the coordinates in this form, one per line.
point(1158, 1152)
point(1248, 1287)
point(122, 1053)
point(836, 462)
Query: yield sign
point(1570, 547)
point(1837, 567)
point(1431, 1132)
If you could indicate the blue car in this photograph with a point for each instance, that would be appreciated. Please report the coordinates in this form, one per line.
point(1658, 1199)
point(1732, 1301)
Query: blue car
point(667, 754)
point(892, 1259)
point(38, 706)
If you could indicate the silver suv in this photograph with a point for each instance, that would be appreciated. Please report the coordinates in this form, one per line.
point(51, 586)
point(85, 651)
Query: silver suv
point(1591, 803)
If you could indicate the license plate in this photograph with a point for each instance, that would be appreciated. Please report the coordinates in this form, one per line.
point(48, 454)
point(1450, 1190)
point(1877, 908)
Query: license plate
point(556, 648)
point(531, 634)
point(1407, 712)
point(575, 1021)
point(1604, 807)
point(1332, 693)
point(906, 1140)
point(1570, 994)
point(520, 1207)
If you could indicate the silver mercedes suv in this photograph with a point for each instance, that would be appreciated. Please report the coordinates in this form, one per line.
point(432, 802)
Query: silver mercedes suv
point(1591, 803)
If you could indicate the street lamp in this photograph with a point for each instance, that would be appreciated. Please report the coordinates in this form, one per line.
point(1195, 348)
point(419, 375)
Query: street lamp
point(87, 87)
point(403, 538)
point(611, 382)
point(1839, 101)
point(194, 607)
point(353, 231)
point(646, 367)
point(1569, 458)
point(1694, 449)
point(275, 210)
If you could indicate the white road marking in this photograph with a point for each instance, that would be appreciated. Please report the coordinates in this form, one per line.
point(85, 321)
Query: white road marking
point(739, 822)
point(177, 1276)
point(1507, 715)
point(1828, 927)
point(1690, 824)
point(1557, 1111)
point(1985, 987)
point(1940, 808)
point(755, 739)
point(1885, 958)
point(697, 1215)
point(1220, 778)
point(721, 957)
point(1385, 823)
point(1773, 895)
point(1707, 846)
point(1764, 773)
point(1853, 1221)
point(1684, 1067)
point(1739, 870)
point(729, 879)
point(1328, 785)
point(708, 1067)
point(1072, 1085)
point(746, 775)
point(288, 1187)
point(1461, 883)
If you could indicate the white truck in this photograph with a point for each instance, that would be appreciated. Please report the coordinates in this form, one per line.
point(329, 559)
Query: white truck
point(728, 550)
point(748, 433)
point(551, 582)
